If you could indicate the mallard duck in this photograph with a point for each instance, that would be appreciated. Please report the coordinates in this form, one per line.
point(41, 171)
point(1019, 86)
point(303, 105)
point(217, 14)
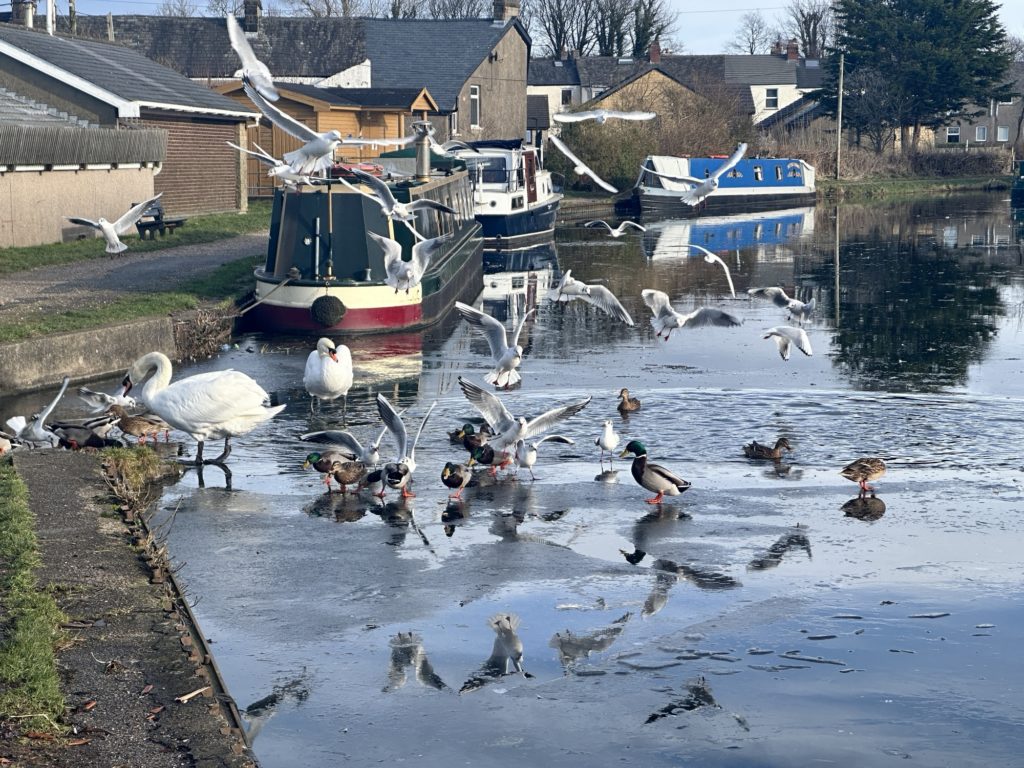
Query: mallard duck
point(627, 404)
point(485, 455)
point(140, 426)
point(346, 473)
point(469, 437)
point(608, 440)
point(755, 450)
point(325, 463)
point(862, 471)
point(653, 477)
point(456, 477)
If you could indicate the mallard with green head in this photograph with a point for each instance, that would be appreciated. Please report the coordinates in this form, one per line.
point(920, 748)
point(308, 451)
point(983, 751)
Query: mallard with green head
point(653, 477)
point(755, 450)
point(862, 471)
point(456, 477)
point(486, 455)
point(470, 436)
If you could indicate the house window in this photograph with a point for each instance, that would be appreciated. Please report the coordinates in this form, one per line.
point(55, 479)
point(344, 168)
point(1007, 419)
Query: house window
point(453, 124)
point(1002, 133)
point(1008, 101)
point(566, 96)
point(474, 106)
point(771, 98)
point(953, 134)
point(981, 133)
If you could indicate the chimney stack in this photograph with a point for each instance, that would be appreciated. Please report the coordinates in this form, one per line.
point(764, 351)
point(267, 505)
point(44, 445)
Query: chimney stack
point(654, 52)
point(777, 48)
point(251, 16)
point(23, 12)
point(792, 50)
point(505, 10)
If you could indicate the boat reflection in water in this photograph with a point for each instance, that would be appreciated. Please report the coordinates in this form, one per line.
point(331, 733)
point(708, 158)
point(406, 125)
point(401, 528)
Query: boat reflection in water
point(515, 281)
point(670, 238)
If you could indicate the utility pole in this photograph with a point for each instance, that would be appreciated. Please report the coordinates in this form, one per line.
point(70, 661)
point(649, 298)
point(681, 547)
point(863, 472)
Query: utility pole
point(839, 116)
point(110, 26)
point(72, 18)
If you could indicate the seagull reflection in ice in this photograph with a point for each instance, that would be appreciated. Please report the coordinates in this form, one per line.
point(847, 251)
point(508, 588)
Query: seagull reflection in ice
point(697, 575)
point(407, 651)
point(506, 655)
point(610, 476)
point(696, 694)
point(260, 711)
point(773, 556)
point(864, 508)
point(572, 647)
point(506, 526)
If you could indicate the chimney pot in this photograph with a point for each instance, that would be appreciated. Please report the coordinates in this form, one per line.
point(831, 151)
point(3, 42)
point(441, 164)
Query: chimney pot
point(251, 16)
point(792, 50)
point(505, 10)
point(654, 53)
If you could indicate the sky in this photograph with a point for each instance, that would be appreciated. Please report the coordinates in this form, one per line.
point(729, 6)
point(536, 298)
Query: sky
point(700, 29)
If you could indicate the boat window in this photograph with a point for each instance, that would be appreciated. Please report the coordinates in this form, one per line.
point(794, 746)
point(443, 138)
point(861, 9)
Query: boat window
point(795, 173)
point(517, 202)
point(735, 173)
point(492, 170)
point(518, 282)
point(758, 173)
point(778, 173)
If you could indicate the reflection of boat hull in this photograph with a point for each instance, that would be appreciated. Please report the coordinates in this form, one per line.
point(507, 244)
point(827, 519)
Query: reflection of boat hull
point(670, 239)
point(519, 230)
point(301, 290)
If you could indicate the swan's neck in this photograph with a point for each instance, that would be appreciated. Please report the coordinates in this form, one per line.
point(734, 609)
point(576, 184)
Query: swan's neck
point(160, 365)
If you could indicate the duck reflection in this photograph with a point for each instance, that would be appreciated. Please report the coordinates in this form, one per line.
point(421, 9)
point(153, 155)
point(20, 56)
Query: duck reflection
point(343, 508)
point(864, 508)
point(773, 556)
point(572, 647)
point(407, 652)
point(506, 654)
point(453, 516)
point(780, 471)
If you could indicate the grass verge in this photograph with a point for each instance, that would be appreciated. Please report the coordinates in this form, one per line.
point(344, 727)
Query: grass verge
point(899, 188)
point(29, 684)
point(198, 229)
point(225, 284)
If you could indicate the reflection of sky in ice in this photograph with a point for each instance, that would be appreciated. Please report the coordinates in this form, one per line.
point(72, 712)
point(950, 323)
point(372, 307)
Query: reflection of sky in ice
point(290, 593)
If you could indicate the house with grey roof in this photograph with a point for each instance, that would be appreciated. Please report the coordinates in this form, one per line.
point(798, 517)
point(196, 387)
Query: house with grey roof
point(1000, 124)
point(156, 130)
point(475, 69)
point(763, 84)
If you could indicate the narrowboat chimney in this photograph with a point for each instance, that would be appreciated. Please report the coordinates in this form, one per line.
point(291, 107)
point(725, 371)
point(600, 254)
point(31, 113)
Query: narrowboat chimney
point(23, 12)
point(422, 156)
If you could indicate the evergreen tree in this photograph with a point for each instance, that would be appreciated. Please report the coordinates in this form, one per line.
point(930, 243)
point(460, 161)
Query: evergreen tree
point(935, 56)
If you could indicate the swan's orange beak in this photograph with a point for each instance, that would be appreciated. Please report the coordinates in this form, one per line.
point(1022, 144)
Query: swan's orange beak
point(333, 355)
point(127, 384)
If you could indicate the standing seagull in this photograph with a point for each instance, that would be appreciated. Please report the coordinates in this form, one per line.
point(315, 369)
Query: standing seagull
point(666, 319)
point(703, 187)
point(785, 335)
point(507, 357)
point(111, 229)
point(601, 116)
point(252, 68)
point(316, 154)
point(33, 432)
point(407, 274)
point(398, 473)
point(579, 166)
point(328, 374)
point(526, 453)
point(619, 231)
point(798, 310)
point(570, 288)
point(712, 258)
point(507, 429)
point(608, 440)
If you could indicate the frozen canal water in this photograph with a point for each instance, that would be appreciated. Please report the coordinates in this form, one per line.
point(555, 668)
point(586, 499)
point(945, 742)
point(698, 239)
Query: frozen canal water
point(763, 618)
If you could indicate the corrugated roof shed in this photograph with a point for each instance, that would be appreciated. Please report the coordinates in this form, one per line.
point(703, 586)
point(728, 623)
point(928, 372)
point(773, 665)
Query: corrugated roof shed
point(116, 69)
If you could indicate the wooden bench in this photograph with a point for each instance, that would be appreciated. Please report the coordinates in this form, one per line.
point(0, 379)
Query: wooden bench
point(153, 221)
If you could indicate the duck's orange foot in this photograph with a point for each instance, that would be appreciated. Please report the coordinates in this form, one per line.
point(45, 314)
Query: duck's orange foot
point(656, 500)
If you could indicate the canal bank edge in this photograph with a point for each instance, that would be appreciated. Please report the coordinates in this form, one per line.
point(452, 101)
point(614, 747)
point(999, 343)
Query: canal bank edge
point(129, 655)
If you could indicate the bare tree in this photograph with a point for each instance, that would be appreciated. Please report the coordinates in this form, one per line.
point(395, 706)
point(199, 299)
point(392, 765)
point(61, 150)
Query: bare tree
point(177, 8)
point(812, 23)
point(393, 9)
point(1016, 46)
point(611, 32)
point(652, 19)
point(322, 9)
point(455, 9)
point(564, 25)
point(755, 35)
point(223, 7)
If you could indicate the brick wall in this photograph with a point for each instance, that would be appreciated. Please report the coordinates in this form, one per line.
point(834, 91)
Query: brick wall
point(201, 173)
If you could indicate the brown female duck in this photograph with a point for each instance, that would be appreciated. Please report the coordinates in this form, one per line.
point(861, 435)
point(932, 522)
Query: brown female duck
point(862, 471)
point(755, 450)
point(627, 404)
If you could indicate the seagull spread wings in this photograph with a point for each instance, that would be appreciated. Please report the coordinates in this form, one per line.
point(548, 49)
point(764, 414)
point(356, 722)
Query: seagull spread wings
point(507, 429)
point(666, 318)
point(712, 258)
point(284, 121)
point(125, 223)
point(491, 329)
point(601, 115)
point(579, 166)
point(403, 141)
point(785, 336)
point(618, 231)
point(702, 187)
point(393, 421)
point(605, 300)
point(347, 444)
point(252, 68)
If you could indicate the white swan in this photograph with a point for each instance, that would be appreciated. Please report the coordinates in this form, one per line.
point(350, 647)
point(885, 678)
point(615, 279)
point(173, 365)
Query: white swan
point(328, 374)
point(205, 406)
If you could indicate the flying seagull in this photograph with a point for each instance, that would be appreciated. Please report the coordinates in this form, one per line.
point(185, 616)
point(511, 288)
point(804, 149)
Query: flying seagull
point(570, 288)
point(393, 209)
point(666, 319)
point(579, 166)
point(252, 68)
point(317, 154)
point(112, 229)
point(702, 187)
point(601, 116)
point(787, 335)
point(712, 258)
point(619, 231)
point(278, 169)
point(799, 310)
point(507, 357)
point(407, 274)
